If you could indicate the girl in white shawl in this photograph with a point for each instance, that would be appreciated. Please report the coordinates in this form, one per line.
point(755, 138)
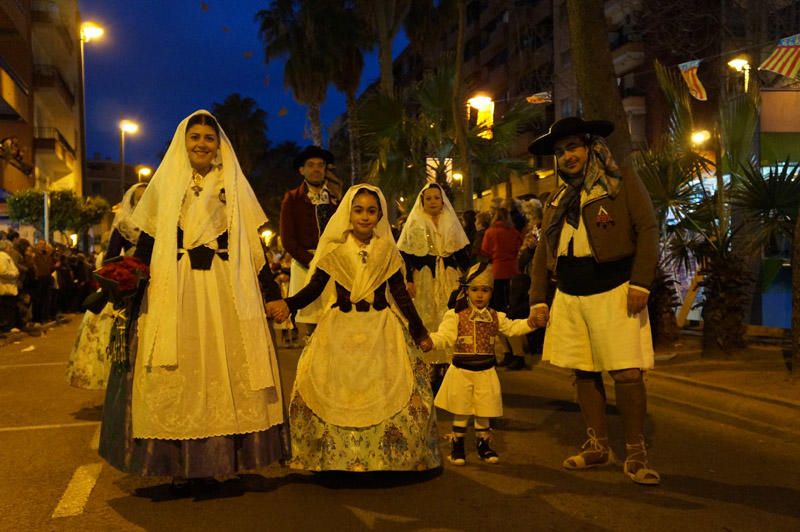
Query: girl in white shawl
point(202, 397)
point(89, 362)
point(436, 252)
point(361, 398)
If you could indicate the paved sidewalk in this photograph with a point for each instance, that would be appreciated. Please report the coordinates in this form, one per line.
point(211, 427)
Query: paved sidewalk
point(751, 389)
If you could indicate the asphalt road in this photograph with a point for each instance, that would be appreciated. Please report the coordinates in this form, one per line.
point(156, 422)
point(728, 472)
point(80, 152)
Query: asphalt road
point(715, 476)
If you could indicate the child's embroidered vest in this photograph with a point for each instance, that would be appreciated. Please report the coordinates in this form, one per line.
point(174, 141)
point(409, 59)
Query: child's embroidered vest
point(476, 337)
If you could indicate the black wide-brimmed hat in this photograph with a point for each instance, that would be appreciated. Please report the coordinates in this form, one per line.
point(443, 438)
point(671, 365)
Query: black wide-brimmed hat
point(565, 127)
point(313, 152)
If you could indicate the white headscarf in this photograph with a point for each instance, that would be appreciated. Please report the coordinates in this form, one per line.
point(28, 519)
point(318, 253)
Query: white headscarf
point(122, 220)
point(157, 214)
point(416, 237)
point(385, 255)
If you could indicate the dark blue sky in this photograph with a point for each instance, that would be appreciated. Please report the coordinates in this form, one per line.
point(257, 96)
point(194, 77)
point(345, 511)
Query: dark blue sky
point(162, 59)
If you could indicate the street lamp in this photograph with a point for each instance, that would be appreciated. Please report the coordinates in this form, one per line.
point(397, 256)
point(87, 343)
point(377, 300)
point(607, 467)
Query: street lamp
point(699, 137)
point(458, 177)
point(144, 172)
point(741, 64)
point(130, 127)
point(485, 107)
point(89, 31)
point(267, 235)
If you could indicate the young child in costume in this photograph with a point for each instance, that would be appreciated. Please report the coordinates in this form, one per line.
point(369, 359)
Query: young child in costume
point(471, 386)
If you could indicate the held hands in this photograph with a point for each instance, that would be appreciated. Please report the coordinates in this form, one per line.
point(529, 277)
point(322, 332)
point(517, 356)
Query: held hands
point(637, 301)
point(277, 310)
point(426, 344)
point(539, 316)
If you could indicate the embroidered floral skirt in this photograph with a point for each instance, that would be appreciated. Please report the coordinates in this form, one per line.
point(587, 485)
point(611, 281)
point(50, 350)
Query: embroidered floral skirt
point(89, 364)
point(191, 458)
point(407, 441)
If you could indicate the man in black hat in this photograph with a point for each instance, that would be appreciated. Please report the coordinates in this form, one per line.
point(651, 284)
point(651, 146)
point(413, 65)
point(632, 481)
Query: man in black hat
point(600, 242)
point(305, 212)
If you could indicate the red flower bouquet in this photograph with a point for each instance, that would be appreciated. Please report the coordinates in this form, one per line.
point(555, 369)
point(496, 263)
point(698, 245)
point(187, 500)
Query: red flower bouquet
point(121, 278)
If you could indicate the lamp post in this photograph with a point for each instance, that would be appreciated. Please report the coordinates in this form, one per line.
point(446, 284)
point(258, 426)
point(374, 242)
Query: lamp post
point(741, 64)
point(144, 172)
point(125, 126)
point(89, 31)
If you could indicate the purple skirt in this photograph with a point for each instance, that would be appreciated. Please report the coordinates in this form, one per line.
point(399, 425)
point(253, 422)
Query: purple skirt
point(198, 458)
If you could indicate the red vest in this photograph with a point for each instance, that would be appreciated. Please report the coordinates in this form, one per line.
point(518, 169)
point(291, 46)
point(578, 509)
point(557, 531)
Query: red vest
point(476, 337)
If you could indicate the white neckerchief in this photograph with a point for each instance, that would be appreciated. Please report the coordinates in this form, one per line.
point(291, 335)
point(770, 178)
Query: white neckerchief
point(483, 314)
point(157, 214)
point(421, 236)
point(323, 197)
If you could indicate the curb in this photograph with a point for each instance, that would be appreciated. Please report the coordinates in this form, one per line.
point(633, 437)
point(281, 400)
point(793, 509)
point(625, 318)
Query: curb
point(745, 410)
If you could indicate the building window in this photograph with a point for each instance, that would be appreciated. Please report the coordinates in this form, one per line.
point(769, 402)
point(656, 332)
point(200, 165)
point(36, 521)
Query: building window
point(566, 107)
point(97, 189)
point(498, 60)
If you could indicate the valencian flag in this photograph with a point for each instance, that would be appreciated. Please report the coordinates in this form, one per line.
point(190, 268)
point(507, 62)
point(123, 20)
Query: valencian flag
point(689, 73)
point(785, 59)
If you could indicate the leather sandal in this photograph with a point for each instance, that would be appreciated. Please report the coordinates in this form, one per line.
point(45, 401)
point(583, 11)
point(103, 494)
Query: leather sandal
point(637, 454)
point(592, 446)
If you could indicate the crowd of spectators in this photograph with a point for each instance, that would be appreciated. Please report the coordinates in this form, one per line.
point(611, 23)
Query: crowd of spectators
point(40, 282)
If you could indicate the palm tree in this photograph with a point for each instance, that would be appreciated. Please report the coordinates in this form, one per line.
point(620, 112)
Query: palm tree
point(403, 137)
point(594, 70)
point(384, 17)
point(349, 37)
point(246, 126)
point(289, 29)
point(703, 225)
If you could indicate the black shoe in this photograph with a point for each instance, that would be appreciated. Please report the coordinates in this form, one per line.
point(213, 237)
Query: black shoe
point(457, 455)
point(486, 453)
point(516, 363)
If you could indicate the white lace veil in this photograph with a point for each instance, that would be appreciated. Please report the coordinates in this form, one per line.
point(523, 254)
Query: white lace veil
point(157, 214)
point(122, 220)
point(336, 234)
point(414, 239)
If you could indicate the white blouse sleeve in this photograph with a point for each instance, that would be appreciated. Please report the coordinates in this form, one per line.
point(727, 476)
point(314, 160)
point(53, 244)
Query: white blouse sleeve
point(448, 330)
point(511, 327)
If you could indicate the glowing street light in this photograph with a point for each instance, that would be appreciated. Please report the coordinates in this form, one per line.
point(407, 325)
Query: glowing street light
point(699, 137)
point(485, 107)
point(740, 64)
point(267, 235)
point(458, 177)
point(145, 172)
point(130, 127)
point(89, 31)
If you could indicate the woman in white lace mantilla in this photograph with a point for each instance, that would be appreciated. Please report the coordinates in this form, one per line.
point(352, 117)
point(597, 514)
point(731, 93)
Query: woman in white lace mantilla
point(436, 252)
point(202, 397)
point(361, 399)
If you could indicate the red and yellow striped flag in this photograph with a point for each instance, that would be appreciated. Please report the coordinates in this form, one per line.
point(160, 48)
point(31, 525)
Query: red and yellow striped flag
point(785, 59)
point(689, 73)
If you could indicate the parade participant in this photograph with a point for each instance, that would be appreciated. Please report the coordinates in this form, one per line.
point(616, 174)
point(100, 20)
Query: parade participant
point(89, 363)
point(436, 252)
point(202, 397)
point(305, 212)
point(470, 386)
point(600, 239)
point(361, 399)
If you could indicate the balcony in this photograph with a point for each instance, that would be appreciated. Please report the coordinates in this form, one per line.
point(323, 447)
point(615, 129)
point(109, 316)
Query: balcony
point(14, 95)
point(53, 154)
point(47, 13)
point(54, 88)
point(13, 20)
point(627, 56)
